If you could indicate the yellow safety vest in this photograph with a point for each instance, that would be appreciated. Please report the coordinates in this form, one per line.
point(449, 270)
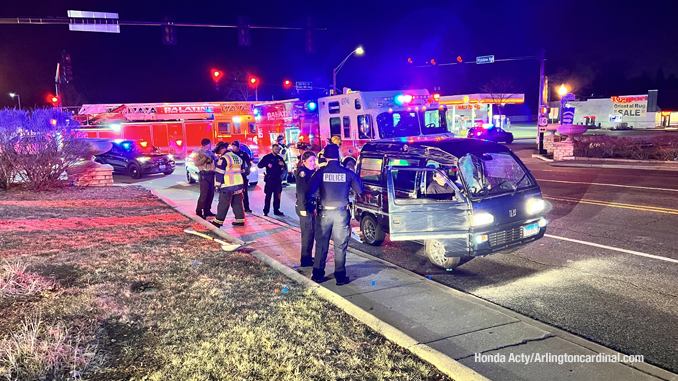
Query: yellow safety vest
point(228, 171)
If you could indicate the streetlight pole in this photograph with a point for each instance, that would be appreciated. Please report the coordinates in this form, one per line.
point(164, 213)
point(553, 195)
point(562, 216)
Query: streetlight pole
point(358, 51)
point(540, 148)
point(18, 97)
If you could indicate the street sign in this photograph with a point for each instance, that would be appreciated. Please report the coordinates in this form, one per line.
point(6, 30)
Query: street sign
point(542, 129)
point(543, 121)
point(304, 85)
point(84, 21)
point(568, 115)
point(484, 59)
point(567, 97)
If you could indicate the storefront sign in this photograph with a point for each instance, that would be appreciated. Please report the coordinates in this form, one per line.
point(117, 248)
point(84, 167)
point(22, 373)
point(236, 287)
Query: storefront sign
point(631, 106)
point(468, 107)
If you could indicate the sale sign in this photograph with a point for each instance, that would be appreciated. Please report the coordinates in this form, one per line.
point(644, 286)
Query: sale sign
point(630, 106)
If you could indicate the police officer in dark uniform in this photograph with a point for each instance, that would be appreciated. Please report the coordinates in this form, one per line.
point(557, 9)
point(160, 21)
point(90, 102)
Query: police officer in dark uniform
point(333, 182)
point(305, 207)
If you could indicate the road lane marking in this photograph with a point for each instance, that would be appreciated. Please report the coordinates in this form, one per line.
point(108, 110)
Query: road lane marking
point(609, 185)
point(615, 205)
point(638, 253)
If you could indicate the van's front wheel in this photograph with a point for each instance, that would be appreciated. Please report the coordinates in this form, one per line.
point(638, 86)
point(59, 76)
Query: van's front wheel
point(435, 250)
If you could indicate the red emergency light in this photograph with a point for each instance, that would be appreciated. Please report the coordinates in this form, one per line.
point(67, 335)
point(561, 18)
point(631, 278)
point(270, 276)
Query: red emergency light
point(436, 96)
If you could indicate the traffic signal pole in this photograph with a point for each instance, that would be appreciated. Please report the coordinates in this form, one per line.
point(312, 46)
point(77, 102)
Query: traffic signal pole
point(540, 148)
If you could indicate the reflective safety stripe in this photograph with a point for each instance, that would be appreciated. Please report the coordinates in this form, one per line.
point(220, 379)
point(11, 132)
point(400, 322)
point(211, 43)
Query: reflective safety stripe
point(219, 170)
point(229, 171)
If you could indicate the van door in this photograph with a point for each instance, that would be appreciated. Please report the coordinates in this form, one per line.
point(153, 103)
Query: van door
point(429, 212)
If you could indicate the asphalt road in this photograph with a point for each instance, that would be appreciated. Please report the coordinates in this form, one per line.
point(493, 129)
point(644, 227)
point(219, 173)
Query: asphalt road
point(607, 270)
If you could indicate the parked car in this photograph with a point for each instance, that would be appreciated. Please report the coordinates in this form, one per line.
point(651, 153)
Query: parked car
point(192, 174)
point(462, 198)
point(494, 134)
point(136, 159)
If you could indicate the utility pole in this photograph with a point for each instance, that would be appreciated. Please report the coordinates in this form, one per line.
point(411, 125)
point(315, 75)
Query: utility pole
point(540, 148)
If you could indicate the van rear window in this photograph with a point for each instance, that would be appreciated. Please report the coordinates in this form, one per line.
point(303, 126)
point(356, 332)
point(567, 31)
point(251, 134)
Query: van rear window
point(370, 170)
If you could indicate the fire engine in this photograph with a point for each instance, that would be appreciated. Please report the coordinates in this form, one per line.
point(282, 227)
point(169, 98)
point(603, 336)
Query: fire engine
point(174, 128)
point(355, 117)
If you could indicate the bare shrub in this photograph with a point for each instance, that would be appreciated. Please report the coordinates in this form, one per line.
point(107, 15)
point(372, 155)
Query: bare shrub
point(42, 351)
point(39, 148)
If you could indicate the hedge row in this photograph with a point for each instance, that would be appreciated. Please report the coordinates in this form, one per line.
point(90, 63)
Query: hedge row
point(660, 147)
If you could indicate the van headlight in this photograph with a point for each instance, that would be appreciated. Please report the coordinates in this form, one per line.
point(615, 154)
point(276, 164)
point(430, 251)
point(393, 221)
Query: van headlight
point(535, 205)
point(482, 219)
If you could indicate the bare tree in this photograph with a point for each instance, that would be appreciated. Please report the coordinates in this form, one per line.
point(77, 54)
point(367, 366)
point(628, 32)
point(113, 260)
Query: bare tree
point(238, 88)
point(501, 90)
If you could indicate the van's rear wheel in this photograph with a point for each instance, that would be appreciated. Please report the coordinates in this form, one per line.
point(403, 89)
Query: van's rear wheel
point(371, 231)
point(435, 250)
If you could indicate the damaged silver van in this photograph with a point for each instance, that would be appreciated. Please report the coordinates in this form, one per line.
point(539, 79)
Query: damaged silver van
point(463, 198)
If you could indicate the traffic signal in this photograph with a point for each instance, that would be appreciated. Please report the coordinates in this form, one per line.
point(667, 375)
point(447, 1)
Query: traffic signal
point(543, 110)
point(253, 81)
point(169, 34)
point(244, 38)
point(459, 59)
point(436, 97)
point(433, 62)
point(409, 60)
point(67, 66)
point(287, 84)
point(217, 75)
point(54, 100)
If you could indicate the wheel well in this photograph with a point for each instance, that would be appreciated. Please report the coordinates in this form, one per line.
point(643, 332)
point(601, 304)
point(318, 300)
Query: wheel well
point(349, 159)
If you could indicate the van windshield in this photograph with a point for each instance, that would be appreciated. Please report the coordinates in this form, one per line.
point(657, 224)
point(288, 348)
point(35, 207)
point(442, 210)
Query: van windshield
point(400, 124)
point(493, 173)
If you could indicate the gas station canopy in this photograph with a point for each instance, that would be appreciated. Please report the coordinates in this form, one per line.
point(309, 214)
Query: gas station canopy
point(482, 99)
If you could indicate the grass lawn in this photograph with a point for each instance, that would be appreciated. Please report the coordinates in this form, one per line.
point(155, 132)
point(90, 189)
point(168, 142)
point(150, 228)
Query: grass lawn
point(103, 284)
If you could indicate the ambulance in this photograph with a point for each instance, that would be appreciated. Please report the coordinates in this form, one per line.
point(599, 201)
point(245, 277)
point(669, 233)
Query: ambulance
point(355, 118)
point(358, 117)
point(174, 128)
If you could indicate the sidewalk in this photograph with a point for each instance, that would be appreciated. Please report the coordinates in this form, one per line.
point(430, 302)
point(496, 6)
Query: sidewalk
point(457, 324)
point(617, 164)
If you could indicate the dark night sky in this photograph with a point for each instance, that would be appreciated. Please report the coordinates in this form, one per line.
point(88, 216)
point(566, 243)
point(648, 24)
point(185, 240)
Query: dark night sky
point(625, 37)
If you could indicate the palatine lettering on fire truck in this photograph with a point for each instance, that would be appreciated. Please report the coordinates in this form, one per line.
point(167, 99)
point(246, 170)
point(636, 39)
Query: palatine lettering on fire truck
point(285, 114)
point(334, 177)
point(186, 109)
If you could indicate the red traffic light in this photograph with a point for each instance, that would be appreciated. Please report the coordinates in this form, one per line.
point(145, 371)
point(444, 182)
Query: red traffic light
point(459, 59)
point(433, 62)
point(253, 81)
point(409, 60)
point(287, 83)
point(216, 74)
point(53, 99)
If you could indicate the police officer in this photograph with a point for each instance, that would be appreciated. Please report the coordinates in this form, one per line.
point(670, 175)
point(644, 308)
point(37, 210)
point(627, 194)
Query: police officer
point(333, 182)
point(204, 160)
point(229, 184)
point(275, 166)
point(305, 207)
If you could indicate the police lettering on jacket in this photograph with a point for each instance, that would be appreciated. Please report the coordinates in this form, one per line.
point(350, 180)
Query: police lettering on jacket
point(334, 183)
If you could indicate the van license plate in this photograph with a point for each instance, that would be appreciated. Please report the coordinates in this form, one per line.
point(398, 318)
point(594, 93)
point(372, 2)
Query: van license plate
point(530, 230)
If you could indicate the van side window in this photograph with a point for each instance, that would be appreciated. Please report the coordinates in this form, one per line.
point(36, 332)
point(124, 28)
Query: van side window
point(370, 170)
point(357, 104)
point(224, 127)
point(335, 126)
point(253, 128)
point(365, 127)
point(237, 128)
point(347, 127)
point(333, 107)
point(404, 180)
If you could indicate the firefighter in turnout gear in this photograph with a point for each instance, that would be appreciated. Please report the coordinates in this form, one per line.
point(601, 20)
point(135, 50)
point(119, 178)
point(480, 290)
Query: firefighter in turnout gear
point(334, 183)
point(229, 184)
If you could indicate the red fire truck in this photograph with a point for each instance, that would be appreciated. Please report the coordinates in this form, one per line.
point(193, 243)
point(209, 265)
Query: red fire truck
point(174, 128)
point(354, 117)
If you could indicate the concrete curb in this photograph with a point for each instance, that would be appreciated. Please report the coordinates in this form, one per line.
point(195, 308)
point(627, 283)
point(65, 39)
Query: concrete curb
point(660, 162)
point(540, 157)
point(444, 363)
point(567, 163)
